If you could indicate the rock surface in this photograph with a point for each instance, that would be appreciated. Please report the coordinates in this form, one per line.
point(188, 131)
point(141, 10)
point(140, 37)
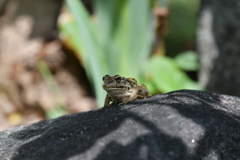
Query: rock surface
point(218, 46)
point(180, 125)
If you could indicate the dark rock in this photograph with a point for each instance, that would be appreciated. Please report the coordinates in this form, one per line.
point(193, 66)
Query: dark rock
point(180, 125)
point(218, 39)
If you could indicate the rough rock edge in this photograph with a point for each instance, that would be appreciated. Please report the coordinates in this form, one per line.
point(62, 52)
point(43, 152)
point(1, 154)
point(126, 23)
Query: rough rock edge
point(182, 125)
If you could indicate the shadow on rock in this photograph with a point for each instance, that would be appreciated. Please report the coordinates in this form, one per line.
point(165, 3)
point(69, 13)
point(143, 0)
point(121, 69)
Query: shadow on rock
point(179, 125)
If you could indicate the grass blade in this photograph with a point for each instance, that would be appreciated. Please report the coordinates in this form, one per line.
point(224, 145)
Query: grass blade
point(90, 48)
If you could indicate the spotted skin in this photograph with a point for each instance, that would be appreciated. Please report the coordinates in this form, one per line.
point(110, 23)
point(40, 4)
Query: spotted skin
point(121, 90)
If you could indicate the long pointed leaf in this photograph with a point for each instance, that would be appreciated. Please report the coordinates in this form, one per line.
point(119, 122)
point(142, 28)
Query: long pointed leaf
point(90, 48)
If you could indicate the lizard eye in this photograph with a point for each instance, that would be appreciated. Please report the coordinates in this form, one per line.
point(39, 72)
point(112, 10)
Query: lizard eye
point(105, 77)
point(118, 78)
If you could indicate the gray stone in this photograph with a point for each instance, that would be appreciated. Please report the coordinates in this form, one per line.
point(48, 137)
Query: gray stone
point(180, 125)
point(218, 39)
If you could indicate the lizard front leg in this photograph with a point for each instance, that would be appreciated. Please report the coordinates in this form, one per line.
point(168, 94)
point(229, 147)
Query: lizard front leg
point(107, 101)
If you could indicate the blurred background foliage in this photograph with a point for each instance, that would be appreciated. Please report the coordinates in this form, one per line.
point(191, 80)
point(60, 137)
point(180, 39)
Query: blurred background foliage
point(182, 24)
point(152, 41)
point(60, 108)
point(126, 37)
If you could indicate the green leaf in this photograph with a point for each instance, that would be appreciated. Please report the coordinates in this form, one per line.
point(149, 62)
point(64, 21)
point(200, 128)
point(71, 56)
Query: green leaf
point(134, 35)
point(91, 51)
point(69, 31)
point(192, 85)
point(187, 60)
point(108, 15)
point(167, 76)
point(60, 108)
point(55, 112)
point(126, 28)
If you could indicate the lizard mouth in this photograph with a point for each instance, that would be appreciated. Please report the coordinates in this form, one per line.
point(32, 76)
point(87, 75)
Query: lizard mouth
point(116, 87)
point(120, 87)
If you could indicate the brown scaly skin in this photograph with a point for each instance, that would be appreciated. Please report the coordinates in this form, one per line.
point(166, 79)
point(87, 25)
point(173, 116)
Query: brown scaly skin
point(121, 90)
